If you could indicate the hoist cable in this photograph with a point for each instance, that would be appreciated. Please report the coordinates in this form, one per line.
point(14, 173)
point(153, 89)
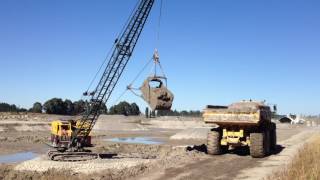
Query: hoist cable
point(147, 64)
point(129, 86)
point(117, 100)
point(159, 23)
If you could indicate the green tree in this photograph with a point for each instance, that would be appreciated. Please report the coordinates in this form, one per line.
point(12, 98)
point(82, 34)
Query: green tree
point(104, 109)
point(23, 110)
point(5, 107)
point(55, 106)
point(135, 111)
point(79, 107)
point(124, 108)
point(69, 107)
point(37, 107)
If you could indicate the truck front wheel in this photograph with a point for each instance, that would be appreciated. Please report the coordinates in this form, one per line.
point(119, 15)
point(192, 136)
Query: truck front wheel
point(213, 143)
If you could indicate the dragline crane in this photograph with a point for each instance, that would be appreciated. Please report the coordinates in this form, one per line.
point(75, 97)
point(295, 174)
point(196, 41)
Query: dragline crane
point(72, 141)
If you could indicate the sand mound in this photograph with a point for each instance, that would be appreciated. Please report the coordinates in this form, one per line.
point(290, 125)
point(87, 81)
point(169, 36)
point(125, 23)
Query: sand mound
point(119, 123)
point(25, 127)
point(167, 122)
point(191, 133)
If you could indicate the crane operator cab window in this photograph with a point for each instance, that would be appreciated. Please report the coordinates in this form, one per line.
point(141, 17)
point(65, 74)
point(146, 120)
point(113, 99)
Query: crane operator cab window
point(64, 130)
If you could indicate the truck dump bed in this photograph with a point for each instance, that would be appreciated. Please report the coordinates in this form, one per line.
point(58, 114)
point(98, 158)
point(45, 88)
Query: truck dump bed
point(241, 113)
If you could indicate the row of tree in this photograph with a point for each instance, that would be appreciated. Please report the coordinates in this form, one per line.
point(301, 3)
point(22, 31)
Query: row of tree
point(5, 107)
point(63, 107)
point(174, 113)
point(67, 107)
point(125, 108)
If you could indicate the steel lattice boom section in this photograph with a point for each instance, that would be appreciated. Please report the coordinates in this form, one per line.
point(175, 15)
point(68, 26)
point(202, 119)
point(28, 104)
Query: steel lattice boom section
point(115, 67)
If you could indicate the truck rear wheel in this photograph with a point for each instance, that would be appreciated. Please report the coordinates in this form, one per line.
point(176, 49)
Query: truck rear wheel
point(267, 139)
point(273, 136)
point(213, 143)
point(258, 145)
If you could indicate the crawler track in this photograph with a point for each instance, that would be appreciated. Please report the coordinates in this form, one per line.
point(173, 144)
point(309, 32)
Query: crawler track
point(72, 156)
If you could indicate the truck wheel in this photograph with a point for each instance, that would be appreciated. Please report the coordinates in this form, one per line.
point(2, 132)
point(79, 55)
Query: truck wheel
point(267, 139)
point(213, 143)
point(257, 146)
point(273, 136)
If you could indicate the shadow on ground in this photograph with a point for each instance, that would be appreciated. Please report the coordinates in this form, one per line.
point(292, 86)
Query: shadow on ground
point(200, 148)
point(241, 151)
point(107, 156)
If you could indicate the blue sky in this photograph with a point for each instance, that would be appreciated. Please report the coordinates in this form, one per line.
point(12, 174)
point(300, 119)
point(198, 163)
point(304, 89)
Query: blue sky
point(213, 52)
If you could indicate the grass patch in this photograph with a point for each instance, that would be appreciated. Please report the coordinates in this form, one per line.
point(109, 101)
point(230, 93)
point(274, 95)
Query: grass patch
point(306, 164)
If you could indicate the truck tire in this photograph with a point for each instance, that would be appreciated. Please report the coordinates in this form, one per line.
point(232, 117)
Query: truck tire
point(257, 146)
point(213, 143)
point(273, 137)
point(267, 139)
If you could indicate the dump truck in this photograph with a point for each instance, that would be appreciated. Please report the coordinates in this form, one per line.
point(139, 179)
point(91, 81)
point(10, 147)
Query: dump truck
point(245, 123)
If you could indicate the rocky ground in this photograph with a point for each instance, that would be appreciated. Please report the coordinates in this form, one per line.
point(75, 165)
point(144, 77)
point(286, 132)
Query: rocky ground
point(174, 150)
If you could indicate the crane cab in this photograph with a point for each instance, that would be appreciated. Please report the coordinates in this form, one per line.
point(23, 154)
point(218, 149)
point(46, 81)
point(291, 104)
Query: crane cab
point(61, 132)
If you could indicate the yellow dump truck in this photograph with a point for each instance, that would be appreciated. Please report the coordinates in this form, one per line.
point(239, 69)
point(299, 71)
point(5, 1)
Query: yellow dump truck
point(61, 132)
point(246, 123)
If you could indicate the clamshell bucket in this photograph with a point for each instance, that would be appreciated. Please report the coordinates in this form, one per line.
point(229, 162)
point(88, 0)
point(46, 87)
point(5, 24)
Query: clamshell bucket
point(155, 93)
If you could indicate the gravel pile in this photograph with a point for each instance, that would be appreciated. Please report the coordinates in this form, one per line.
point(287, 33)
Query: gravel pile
point(41, 164)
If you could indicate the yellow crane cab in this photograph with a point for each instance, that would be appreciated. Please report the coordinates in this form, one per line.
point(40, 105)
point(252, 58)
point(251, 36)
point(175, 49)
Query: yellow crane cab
point(61, 132)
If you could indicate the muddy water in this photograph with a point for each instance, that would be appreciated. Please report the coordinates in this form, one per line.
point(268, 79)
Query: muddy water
point(17, 157)
point(136, 140)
